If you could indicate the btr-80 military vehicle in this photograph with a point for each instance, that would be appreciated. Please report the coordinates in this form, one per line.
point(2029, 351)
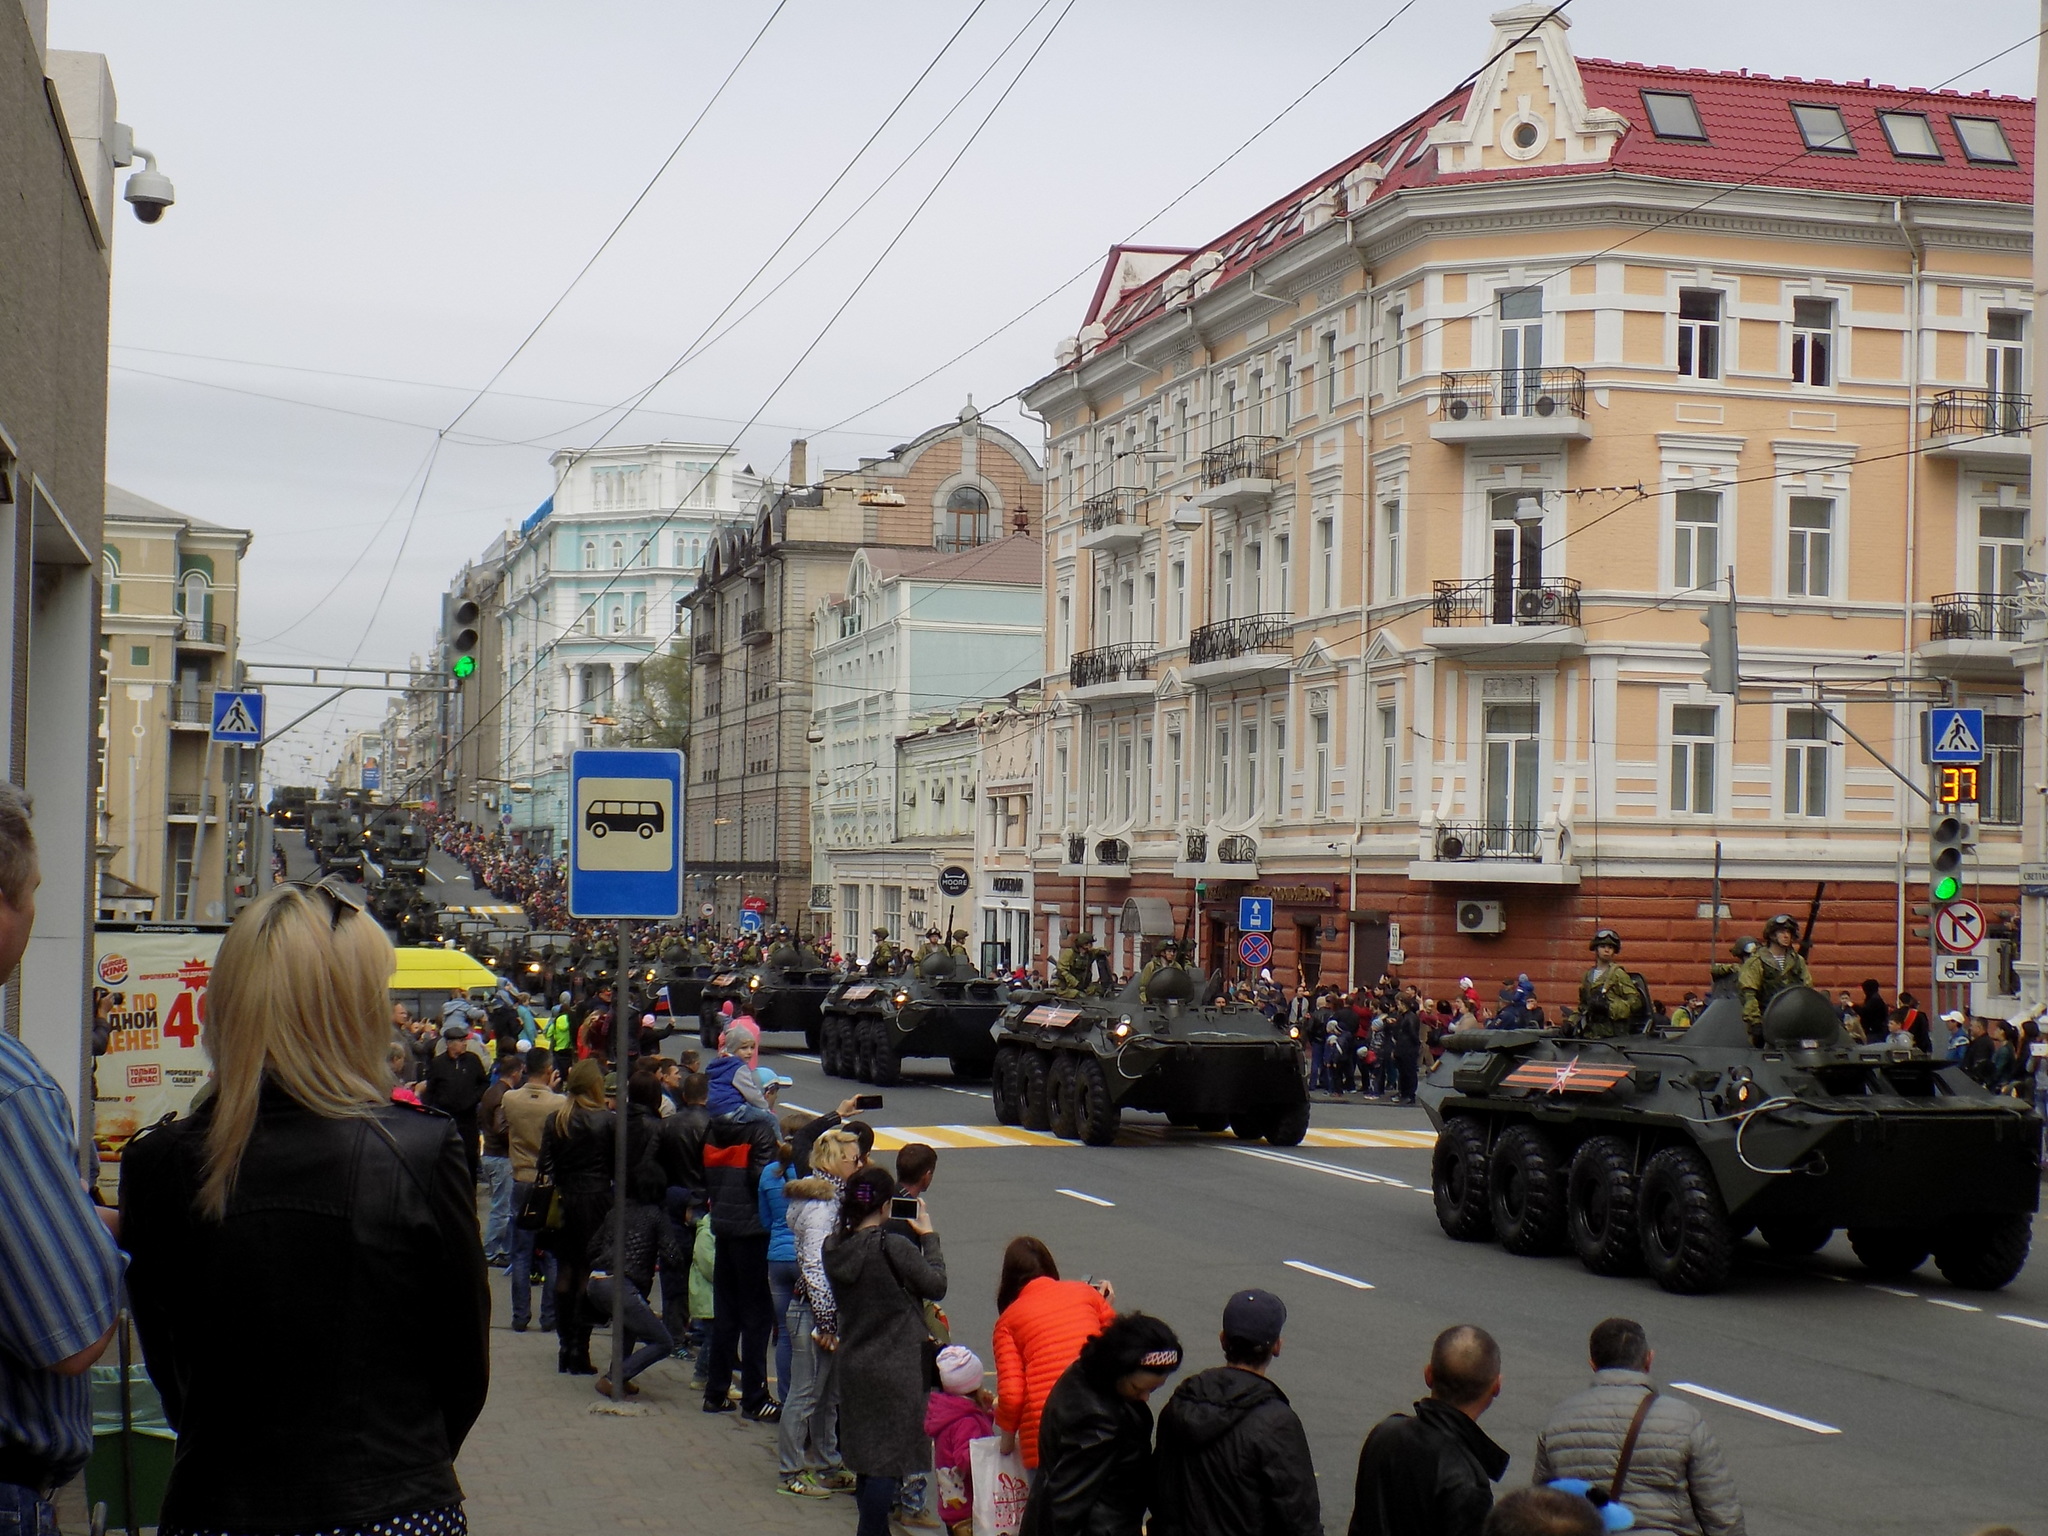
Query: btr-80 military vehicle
point(1659, 1152)
point(942, 1006)
point(1073, 1065)
point(785, 991)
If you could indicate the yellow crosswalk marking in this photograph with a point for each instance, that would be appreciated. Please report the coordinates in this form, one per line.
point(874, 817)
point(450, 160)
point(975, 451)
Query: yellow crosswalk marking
point(982, 1137)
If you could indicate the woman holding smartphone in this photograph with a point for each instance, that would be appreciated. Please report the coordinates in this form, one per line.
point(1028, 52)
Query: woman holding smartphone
point(880, 1280)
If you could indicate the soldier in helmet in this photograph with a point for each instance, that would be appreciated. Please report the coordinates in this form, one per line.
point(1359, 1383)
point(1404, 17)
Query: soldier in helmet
point(1741, 949)
point(957, 944)
point(1167, 958)
point(1771, 969)
point(934, 944)
point(1070, 977)
point(883, 960)
point(1608, 998)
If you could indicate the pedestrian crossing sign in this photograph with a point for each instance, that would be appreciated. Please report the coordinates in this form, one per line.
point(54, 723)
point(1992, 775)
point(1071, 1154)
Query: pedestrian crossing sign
point(238, 718)
point(1955, 735)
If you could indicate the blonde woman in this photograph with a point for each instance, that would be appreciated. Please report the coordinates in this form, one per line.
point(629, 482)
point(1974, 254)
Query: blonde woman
point(283, 1239)
point(807, 1444)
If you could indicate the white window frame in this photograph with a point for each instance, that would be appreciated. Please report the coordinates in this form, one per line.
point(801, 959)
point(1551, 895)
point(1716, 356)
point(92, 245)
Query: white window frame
point(1836, 549)
point(1326, 561)
point(1721, 333)
point(1387, 720)
point(1390, 530)
point(1685, 541)
point(1319, 762)
point(1798, 359)
point(1692, 745)
point(1824, 746)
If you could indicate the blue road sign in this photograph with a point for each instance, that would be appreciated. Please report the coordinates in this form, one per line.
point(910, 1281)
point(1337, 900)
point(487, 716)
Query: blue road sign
point(1955, 735)
point(625, 833)
point(1255, 914)
point(1254, 949)
point(238, 718)
point(750, 922)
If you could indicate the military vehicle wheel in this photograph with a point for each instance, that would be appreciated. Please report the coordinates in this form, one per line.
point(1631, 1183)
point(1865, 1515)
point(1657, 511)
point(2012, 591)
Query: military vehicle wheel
point(1687, 1246)
point(1982, 1253)
point(1891, 1251)
point(888, 1060)
point(1210, 1123)
point(1096, 1116)
point(1525, 1192)
point(1252, 1125)
point(828, 1047)
point(1600, 1207)
point(1457, 1177)
point(864, 1050)
point(1009, 1102)
point(1033, 1090)
point(1290, 1127)
point(1059, 1096)
point(1795, 1236)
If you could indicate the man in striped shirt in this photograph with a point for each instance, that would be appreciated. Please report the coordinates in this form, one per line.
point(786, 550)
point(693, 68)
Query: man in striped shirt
point(60, 1273)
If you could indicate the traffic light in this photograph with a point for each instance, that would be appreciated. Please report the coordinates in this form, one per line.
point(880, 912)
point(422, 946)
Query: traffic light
point(1948, 834)
point(1720, 647)
point(462, 645)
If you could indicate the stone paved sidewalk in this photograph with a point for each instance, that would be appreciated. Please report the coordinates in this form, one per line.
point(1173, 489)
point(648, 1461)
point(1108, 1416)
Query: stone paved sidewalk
point(542, 1462)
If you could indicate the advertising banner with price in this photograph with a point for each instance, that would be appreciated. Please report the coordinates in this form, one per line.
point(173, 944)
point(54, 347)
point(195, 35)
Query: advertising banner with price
point(153, 979)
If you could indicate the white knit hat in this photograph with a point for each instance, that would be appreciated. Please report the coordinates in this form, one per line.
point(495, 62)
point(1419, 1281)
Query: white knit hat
point(960, 1370)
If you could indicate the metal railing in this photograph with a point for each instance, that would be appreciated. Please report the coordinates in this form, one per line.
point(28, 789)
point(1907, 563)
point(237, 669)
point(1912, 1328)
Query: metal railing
point(1108, 510)
point(1113, 850)
point(188, 805)
point(1242, 458)
point(199, 632)
point(1489, 600)
point(1195, 847)
point(1976, 616)
point(1077, 848)
point(703, 644)
point(187, 709)
point(753, 625)
point(1238, 637)
point(1127, 662)
point(1460, 842)
point(1237, 849)
point(1512, 392)
point(1980, 413)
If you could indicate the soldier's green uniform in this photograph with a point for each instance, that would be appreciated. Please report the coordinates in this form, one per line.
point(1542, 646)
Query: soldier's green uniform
point(1769, 970)
point(1168, 958)
point(932, 945)
point(958, 944)
point(1070, 977)
point(1609, 1000)
point(749, 953)
point(885, 953)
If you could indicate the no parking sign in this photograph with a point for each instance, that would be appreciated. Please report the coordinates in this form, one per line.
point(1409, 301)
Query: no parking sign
point(1255, 949)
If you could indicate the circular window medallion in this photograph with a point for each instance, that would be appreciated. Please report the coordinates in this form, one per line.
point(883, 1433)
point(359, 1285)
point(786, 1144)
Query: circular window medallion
point(1524, 138)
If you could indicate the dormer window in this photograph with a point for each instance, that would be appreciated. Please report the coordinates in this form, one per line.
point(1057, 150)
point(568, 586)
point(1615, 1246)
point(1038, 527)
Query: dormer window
point(1674, 115)
point(1983, 140)
point(1823, 128)
point(1910, 135)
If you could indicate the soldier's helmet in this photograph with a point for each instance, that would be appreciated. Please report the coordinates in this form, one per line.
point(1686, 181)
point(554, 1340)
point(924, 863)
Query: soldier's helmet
point(1744, 948)
point(881, 933)
point(960, 933)
point(1783, 920)
point(1606, 936)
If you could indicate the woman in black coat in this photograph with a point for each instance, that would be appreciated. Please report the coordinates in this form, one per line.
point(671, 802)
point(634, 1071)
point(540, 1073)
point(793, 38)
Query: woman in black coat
point(1095, 1436)
point(881, 1281)
point(577, 1151)
point(283, 1238)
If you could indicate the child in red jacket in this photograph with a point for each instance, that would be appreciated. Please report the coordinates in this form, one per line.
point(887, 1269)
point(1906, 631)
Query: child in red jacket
point(961, 1411)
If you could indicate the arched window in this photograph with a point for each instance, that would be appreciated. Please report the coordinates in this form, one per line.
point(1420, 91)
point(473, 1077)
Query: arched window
point(966, 523)
point(110, 577)
point(618, 554)
point(192, 595)
point(590, 554)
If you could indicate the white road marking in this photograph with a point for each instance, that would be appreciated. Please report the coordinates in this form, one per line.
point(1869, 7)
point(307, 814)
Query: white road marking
point(1329, 1274)
point(1075, 1194)
point(1812, 1425)
point(1357, 1175)
point(2024, 1322)
point(798, 1056)
point(802, 1109)
point(1953, 1306)
point(993, 1137)
point(438, 880)
point(945, 1088)
point(1893, 1290)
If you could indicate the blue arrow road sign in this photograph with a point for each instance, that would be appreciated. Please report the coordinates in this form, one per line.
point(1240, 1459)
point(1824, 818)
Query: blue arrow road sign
point(1955, 735)
point(750, 922)
point(1255, 914)
point(238, 718)
point(625, 833)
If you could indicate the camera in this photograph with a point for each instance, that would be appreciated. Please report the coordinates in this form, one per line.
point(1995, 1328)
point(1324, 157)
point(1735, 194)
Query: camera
point(150, 192)
point(902, 1208)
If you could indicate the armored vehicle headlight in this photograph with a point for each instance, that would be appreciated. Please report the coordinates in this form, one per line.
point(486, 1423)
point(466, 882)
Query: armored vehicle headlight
point(1294, 1031)
point(754, 983)
point(901, 998)
point(1123, 1027)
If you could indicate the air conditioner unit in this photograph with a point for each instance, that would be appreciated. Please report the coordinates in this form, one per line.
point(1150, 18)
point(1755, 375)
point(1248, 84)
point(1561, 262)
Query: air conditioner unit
point(1546, 405)
point(1528, 603)
point(1458, 410)
point(1452, 844)
point(1550, 601)
point(1481, 917)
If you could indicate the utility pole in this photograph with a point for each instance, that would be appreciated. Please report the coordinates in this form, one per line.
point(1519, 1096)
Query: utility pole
point(2033, 654)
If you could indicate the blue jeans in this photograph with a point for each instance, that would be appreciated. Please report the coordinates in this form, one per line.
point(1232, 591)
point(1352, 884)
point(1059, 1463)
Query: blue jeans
point(642, 1326)
point(808, 1438)
point(520, 1275)
point(22, 1513)
point(498, 1177)
point(781, 1288)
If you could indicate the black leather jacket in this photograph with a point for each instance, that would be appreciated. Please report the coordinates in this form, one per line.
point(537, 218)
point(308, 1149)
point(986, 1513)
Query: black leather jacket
point(580, 1162)
point(286, 1338)
point(1094, 1462)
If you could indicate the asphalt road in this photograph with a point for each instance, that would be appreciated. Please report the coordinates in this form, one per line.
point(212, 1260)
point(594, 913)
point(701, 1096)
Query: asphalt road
point(1923, 1406)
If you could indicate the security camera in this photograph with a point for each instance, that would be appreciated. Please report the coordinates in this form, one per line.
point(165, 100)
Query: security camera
point(149, 189)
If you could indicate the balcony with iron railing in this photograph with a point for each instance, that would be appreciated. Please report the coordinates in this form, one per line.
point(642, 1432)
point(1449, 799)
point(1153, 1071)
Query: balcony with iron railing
point(1541, 618)
point(197, 633)
point(1240, 475)
point(192, 709)
point(1246, 639)
point(754, 627)
point(1217, 854)
point(1511, 405)
point(1109, 520)
point(188, 805)
point(1462, 842)
point(704, 645)
point(1989, 426)
point(1110, 670)
point(1973, 634)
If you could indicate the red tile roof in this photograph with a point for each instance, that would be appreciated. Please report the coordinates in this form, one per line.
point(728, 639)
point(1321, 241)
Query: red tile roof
point(1752, 137)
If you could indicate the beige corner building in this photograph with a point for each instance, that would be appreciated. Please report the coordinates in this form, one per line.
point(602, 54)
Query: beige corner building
point(1380, 531)
point(173, 826)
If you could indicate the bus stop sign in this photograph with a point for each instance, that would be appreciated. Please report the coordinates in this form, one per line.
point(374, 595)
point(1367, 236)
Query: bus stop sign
point(625, 838)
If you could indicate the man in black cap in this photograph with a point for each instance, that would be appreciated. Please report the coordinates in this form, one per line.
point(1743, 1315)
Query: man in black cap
point(1232, 1456)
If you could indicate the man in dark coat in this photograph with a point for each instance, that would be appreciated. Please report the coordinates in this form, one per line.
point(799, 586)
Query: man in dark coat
point(1232, 1457)
point(736, 1148)
point(455, 1086)
point(1431, 1474)
point(1095, 1436)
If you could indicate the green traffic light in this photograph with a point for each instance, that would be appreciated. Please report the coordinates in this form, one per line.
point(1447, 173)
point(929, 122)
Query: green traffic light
point(1946, 888)
point(464, 666)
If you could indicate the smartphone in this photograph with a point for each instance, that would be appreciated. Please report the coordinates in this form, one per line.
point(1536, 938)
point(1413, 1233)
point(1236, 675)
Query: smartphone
point(867, 1101)
point(903, 1209)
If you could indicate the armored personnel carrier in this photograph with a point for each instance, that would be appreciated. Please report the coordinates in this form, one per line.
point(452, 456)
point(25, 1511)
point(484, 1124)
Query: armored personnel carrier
point(1658, 1152)
point(942, 1006)
point(684, 966)
point(782, 992)
point(1073, 1066)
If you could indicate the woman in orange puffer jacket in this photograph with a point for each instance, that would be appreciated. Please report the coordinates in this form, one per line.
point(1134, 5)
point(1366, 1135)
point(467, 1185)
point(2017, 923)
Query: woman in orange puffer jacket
point(1041, 1325)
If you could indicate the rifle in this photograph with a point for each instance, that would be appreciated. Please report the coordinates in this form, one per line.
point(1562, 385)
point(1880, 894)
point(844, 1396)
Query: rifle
point(1812, 917)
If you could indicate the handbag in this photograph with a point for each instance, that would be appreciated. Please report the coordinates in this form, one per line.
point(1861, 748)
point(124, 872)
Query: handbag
point(540, 1209)
point(1001, 1487)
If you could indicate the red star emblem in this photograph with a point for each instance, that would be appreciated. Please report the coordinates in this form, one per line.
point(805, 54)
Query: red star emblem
point(194, 974)
point(1565, 1073)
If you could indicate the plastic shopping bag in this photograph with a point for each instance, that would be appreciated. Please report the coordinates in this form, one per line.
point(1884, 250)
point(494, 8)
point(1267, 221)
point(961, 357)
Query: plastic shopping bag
point(1000, 1487)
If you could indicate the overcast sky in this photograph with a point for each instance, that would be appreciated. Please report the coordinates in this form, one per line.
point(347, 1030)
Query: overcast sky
point(376, 201)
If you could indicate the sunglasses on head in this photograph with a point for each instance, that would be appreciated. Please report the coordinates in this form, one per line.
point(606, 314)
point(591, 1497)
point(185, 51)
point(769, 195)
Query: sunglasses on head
point(339, 902)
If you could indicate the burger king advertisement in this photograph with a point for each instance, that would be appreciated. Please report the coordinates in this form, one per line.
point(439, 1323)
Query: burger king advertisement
point(149, 988)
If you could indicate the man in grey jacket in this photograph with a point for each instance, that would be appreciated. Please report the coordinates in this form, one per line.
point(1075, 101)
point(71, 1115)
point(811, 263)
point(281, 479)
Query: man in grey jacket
point(1677, 1481)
